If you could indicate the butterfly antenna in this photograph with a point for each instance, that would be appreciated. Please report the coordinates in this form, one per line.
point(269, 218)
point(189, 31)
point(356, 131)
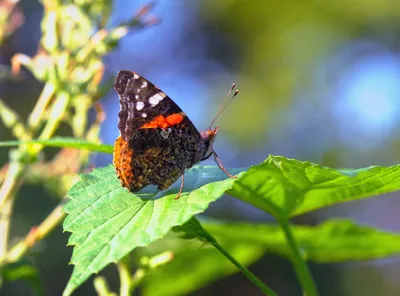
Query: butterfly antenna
point(225, 103)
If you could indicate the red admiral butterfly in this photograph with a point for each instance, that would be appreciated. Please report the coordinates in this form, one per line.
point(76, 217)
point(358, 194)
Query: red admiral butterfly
point(158, 141)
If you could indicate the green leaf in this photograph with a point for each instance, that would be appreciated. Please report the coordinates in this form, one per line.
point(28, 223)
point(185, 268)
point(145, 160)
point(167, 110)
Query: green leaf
point(64, 142)
point(107, 221)
point(332, 241)
point(195, 265)
point(288, 187)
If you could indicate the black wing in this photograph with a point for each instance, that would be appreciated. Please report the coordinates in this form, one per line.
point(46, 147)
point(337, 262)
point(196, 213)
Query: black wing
point(140, 102)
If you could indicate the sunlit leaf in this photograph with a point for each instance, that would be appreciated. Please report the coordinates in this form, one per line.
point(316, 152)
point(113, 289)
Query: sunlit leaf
point(288, 187)
point(107, 221)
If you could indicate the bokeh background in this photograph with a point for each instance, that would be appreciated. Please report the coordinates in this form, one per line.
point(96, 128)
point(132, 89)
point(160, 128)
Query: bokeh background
point(319, 81)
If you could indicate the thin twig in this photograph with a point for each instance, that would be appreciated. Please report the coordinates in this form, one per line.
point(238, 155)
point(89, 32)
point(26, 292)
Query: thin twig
point(38, 111)
point(36, 234)
point(101, 287)
point(124, 278)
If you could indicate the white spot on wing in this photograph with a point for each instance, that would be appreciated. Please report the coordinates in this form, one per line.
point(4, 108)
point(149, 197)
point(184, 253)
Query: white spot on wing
point(139, 105)
point(144, 84)
point(154, 100)
point(135, 76)
point(144, 115)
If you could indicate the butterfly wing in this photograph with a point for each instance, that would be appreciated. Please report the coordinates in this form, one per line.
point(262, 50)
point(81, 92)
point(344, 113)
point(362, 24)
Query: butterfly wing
point(141, 102)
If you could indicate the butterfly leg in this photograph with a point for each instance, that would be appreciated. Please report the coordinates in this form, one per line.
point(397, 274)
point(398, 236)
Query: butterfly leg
point(221, 166)
point(181, 188)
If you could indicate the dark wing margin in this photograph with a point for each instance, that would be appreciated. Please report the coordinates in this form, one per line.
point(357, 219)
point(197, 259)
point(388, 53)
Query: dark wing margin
point(140, 102)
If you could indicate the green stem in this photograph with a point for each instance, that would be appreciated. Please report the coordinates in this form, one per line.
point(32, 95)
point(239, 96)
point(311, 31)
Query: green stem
point(5, 214)
point(302, 271)
point(16, 170)
point(101, 286)
point(8, 188)
point(137, 279)
point(245, 271)
point(38, 111)
point(56, 114)
point(39, 233)
point(124, 278)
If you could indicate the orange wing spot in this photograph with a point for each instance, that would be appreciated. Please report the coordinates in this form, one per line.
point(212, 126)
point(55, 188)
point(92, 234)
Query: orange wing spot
point(156, 122)
point(174, 119)
point(164, 122)
point(122, 159)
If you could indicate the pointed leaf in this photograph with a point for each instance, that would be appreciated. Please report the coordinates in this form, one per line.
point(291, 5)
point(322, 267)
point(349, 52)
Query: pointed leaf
point(107, 221)
point(288, 187)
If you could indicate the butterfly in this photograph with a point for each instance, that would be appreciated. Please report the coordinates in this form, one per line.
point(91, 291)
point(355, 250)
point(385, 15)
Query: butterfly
point(157, 141)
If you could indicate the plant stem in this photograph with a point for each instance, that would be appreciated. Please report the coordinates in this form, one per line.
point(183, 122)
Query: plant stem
point(56, 114)
point(302, 271)
point(101, 286)
point(5, 214)
point(124, 278)
point(245, 271)
point(137, 279)
point(40, 107)
point(7, 190)
point(39, 233)
point(16, 170)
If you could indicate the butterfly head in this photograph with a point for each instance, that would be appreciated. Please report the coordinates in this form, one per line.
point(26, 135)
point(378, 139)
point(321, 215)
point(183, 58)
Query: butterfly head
point(208, 136)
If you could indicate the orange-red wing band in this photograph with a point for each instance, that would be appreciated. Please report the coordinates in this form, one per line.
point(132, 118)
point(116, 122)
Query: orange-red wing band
point(164, 122)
